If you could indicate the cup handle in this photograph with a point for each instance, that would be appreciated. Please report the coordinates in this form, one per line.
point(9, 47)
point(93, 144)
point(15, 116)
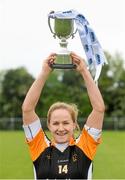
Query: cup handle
point(73, 34)
point(54, 34)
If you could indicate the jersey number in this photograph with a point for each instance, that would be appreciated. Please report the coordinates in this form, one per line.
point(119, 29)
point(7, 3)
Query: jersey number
point(63, 169)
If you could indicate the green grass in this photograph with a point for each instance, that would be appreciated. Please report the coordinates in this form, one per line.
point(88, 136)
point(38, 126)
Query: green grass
point(110, 159)
point(15, 161)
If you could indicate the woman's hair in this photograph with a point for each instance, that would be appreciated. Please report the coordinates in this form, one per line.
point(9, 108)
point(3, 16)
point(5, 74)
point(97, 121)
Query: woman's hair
point(71, 108)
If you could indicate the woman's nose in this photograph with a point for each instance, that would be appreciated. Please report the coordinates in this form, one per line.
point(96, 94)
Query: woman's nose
point(60, 128)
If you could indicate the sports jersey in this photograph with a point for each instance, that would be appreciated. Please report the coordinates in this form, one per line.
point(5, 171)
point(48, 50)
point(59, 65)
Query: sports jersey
point(74, 162)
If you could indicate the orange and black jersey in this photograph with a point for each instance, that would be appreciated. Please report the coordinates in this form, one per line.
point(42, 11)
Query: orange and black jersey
point(75, 162)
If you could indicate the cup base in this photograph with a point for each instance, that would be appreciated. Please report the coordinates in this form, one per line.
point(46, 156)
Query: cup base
point(63, 66)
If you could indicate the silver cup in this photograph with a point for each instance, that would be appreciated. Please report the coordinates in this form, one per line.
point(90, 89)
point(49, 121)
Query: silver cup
point(63, 29)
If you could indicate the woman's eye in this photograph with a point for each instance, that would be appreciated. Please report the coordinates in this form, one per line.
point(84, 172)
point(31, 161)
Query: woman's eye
point(56, 123)
point(65, 123)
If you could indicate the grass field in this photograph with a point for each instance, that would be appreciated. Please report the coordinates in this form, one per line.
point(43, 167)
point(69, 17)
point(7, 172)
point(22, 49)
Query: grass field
point(15, 161)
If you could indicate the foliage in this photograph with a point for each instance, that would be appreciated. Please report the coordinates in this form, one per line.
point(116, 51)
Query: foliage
point(70, 88)
point(112, 86)
point(65, 86)
point(14, 88)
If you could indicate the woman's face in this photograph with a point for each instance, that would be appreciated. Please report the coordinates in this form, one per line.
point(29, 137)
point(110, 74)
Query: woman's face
point(61, 125)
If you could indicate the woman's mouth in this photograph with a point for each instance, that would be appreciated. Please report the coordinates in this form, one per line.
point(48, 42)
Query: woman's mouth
point(61, 134)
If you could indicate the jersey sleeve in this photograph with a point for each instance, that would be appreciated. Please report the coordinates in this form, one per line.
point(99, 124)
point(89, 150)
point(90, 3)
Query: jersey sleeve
point(88, 144)
point(36, 139)
point(95, 133)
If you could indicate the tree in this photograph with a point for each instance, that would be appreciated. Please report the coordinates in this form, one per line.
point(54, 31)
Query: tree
point(15, 84)
point(112, 85)
point(71, 88)
point(65, 86)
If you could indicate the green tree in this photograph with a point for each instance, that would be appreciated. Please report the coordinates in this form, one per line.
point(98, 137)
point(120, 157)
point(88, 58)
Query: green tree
point(112, 85)
point(67, 86)
point(15, 84)
point(71, 88)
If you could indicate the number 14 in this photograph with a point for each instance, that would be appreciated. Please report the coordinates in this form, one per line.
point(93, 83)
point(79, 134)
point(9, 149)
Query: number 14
point(63, 169)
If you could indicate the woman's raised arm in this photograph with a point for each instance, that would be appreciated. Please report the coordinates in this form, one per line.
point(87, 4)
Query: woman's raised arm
point(33, 95)
point(95, 119)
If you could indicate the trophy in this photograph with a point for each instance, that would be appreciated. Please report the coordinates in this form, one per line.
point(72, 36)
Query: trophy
point(63, 29)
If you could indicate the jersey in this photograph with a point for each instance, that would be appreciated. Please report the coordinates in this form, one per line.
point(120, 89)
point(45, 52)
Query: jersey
point(75, 162)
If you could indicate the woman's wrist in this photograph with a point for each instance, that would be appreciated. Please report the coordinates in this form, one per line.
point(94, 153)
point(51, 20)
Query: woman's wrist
point(43, 75)
point(83, 70)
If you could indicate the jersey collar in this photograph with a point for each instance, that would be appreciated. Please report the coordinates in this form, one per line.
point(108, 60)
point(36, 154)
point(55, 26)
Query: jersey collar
point(71, 142)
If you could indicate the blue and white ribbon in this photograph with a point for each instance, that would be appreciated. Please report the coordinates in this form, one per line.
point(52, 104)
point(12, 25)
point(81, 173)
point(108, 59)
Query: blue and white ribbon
point(90, 43)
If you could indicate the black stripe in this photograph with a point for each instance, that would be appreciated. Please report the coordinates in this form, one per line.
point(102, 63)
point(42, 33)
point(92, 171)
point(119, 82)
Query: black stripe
point(30, 132)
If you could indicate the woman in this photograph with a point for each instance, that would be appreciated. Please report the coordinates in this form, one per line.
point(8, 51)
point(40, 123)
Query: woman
point(63, 157)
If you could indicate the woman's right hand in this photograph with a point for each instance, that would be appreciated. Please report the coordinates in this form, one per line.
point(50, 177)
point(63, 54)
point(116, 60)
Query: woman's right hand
point(46, 67)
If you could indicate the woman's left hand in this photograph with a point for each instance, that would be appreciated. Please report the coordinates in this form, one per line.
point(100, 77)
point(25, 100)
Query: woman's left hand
point(79, 62)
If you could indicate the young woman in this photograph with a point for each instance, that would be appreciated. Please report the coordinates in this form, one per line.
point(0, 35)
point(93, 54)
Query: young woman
point(63, 157)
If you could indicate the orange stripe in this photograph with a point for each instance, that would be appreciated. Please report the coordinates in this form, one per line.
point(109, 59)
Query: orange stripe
point(87, 144)
point(37, 145)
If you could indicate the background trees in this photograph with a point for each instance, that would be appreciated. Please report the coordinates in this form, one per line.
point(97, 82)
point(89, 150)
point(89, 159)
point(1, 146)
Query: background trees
point(112, 84)
point(64, 86)
point(14, 85)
